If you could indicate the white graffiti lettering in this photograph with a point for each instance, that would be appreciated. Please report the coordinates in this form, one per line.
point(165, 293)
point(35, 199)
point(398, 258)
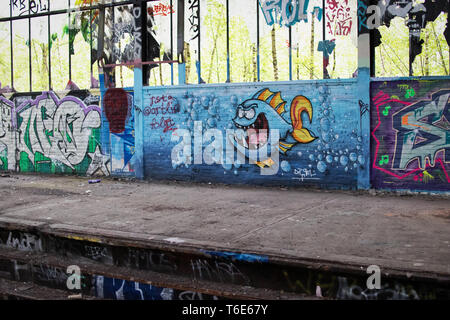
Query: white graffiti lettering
point(220, 271)
point(24, 242)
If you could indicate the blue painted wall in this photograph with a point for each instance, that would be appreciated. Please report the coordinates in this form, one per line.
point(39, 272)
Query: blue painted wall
point(335, 157)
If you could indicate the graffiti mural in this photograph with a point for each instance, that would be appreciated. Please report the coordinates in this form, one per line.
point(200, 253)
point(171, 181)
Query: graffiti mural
point(411, 134)
point(7, 135)
point(46, 133)
point(266, 110)
point(118, 136)
point(298, 135)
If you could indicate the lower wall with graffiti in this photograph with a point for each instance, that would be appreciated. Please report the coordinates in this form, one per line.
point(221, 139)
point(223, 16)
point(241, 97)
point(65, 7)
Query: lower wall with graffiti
point(51, 132)
point(410, 143)
point(309, 133)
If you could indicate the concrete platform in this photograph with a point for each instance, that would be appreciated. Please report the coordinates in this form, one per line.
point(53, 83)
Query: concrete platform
point(405, 234)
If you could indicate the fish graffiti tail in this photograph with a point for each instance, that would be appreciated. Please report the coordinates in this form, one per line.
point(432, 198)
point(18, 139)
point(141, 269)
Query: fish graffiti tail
point(299, 105)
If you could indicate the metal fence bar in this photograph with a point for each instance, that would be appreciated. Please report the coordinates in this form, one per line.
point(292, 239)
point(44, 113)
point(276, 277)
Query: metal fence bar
point(11, 42)
point(290, 53)
point(70, 56)
point(257, 42)
point(49, 50)
point(29, 49)
point(228, 41)
point(171, 43)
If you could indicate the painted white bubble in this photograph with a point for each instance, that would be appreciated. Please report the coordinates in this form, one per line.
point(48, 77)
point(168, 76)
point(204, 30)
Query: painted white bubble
point(361, 159)
point(329, 159)
point(325, 124)
point(321, 166)
point(285, 166)
point(343, 160)
point(212, 123)
point(205, 101)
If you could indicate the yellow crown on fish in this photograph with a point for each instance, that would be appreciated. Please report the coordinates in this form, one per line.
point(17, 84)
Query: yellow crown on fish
point(276, 102)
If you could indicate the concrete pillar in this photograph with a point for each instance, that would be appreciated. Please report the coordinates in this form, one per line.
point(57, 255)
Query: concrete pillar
point(363, 82)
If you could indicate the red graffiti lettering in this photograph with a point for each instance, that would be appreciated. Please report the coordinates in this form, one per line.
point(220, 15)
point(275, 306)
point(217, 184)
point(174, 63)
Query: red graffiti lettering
point(339, 17)
point(167, 124)
point(161, 9)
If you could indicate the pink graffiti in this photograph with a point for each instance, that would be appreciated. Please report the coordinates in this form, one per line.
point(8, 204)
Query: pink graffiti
point(339, 17)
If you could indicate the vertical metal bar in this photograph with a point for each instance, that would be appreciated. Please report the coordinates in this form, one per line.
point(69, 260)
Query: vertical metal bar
point(144, 42)
point(171, 42)
point(102, 72)
point(49, 49)
point(257, 41)
point(112, 78)
point(90, 40)
point(11, 41)
point(290, 53)
point(410, 44)
point(325, 72)
point(199, 48)
point(228, 41)
point(29, 48)
point(70, 56)
point(180, 43)
point(372, 53)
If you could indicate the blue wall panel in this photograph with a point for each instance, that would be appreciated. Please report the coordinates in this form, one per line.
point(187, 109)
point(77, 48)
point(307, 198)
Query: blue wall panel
point(322, 149)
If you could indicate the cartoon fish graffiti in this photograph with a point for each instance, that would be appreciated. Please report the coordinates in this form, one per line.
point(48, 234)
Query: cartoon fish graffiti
point(264, 112)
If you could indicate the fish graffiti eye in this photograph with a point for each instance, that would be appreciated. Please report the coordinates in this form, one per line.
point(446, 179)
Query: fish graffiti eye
point(240, 112)
point(250, 114)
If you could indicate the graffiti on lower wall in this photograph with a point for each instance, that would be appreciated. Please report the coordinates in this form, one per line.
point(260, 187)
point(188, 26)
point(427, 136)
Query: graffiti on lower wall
point(309, 134)
point(411, 134)
point(49, 133)
point(118, 289)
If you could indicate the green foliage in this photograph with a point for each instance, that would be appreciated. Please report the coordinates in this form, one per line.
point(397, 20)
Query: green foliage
point(391, 57)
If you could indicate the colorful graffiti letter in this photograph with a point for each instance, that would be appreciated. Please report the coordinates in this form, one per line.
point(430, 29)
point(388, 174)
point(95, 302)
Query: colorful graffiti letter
point(414, 134)
point(46, 133)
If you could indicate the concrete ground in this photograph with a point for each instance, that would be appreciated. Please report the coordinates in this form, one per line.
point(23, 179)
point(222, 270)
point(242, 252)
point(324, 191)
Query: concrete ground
point(392, 231)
